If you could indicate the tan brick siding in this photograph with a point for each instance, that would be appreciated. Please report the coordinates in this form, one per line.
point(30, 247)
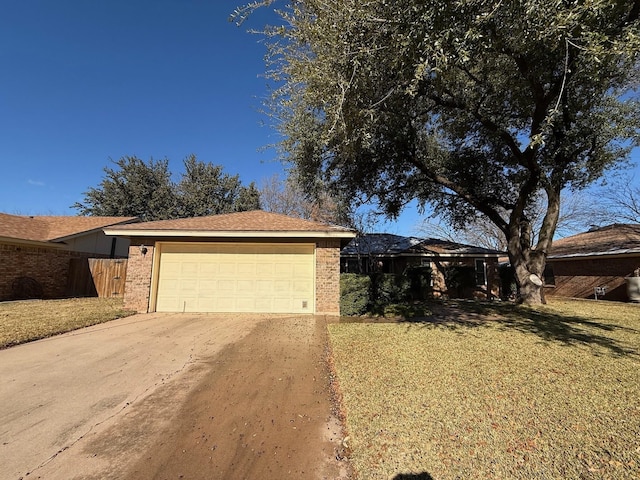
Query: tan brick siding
point(139, 270)
point(138, 284)
point(328, 277)
point(48, 266)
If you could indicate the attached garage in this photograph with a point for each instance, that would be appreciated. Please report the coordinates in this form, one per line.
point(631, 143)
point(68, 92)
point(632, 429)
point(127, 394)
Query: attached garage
point(235, 277)
point(250, 262)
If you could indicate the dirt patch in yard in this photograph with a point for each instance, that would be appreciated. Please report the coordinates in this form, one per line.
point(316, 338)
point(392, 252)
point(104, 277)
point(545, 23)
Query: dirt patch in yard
point(263, 410)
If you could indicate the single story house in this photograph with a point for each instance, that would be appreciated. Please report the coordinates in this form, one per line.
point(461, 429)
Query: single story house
point(457, 270)
point(596, 262)
point(254, 261)
point(37, 251)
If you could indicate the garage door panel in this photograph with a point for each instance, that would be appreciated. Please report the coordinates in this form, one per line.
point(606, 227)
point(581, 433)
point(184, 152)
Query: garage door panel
point(301, 286)
point(265, 269)
point(283, 269)
point(236, 278)
point(246, 286)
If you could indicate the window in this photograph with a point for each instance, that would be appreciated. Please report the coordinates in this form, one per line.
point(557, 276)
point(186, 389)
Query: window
point(481, 273)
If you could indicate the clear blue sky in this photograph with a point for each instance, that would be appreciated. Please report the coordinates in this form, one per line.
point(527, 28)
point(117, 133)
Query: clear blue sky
point(83, 81)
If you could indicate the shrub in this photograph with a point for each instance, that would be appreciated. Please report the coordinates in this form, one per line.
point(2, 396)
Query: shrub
point(420, 278)
point(459, 279)
point(388, 288)
point(508, 287)
point(354, 293)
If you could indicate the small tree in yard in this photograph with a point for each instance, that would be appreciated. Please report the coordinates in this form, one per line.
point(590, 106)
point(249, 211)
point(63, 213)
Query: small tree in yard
point(476, 107)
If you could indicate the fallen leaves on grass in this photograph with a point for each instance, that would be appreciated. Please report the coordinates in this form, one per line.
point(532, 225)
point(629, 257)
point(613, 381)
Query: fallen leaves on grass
point(29, 320)
point(487, 401)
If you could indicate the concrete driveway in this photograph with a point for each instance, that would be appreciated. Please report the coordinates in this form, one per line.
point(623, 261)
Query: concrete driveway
point(59, 392)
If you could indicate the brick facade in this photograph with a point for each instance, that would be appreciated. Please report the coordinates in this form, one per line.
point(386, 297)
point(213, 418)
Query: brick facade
point(327, 282)
point(47, 266)
point(138, 285)
point(328, 277)
point(578, 277)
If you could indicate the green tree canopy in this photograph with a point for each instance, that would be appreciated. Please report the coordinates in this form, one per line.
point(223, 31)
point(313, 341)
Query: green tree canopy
point(476, 107)
point(132, 188)
point(145, 190)
point(204, 189)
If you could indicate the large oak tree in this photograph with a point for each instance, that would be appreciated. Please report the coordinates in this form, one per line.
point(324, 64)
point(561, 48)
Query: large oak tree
point(476, 107)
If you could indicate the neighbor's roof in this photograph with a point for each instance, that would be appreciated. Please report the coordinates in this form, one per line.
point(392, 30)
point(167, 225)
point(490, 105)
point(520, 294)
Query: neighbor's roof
point(616, 239)
point(53, 228)
point(392, 245)
point(255, 223)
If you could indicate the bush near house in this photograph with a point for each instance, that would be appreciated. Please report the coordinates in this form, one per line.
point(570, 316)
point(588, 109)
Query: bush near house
point(361, 294)
point(354, 294)
point(389, 288)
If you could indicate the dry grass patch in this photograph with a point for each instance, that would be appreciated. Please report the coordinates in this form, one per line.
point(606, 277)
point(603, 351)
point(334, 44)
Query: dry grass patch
point(29, 320)
point(548, 393)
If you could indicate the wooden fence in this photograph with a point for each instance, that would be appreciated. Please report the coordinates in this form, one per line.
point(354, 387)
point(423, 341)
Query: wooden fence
point(97, 277)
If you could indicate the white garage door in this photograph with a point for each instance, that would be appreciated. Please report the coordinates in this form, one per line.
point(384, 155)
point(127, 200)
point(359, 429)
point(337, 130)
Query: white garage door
point(228, 277)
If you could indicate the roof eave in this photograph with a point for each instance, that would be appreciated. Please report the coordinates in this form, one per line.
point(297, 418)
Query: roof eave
point(425, 254)
point(32, 243)
point(227, 233)
point(573, 256)
point(93, 230)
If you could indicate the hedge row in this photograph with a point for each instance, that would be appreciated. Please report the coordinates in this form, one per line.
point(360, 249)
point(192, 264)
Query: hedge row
point(360, 294)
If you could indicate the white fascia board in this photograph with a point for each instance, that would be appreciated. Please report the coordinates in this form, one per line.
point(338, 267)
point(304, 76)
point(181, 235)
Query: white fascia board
point(225, 234)
point(630, 252)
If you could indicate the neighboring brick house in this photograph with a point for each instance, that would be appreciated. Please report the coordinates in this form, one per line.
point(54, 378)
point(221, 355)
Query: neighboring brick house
point(255, 262)
point(36, 251)
point(601, 258)
point(456, 270)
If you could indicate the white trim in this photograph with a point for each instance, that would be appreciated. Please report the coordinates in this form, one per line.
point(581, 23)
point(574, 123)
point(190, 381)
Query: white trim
point(228, 234)
point(615, 254)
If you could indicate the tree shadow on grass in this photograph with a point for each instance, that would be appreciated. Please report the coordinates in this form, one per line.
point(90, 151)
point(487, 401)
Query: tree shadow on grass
point(552, 327)
point(413, 476)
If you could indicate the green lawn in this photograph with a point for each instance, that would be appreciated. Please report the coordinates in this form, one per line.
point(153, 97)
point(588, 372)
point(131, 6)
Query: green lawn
point(30, 320)
point(548, 393)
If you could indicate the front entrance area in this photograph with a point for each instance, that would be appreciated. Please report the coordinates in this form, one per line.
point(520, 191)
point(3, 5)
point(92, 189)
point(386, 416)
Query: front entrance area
point(235, 277)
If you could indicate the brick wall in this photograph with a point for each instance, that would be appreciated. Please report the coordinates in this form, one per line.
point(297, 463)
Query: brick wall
point(138, 284)
point(137, 289)
point(578, 277)
point(47, 266)
point(328, 277)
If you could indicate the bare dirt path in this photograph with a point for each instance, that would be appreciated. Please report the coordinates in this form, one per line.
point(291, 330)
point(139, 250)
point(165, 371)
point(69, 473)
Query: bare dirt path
point(263, 411)
point(203, 397)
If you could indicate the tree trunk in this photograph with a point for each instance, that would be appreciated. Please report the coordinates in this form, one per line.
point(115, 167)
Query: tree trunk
point(527, 261)
point(529, 281)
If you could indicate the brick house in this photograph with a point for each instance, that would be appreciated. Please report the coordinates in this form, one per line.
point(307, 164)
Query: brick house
point(475, 268)
point(36, 251)
point(256, 262)
point(601, 258)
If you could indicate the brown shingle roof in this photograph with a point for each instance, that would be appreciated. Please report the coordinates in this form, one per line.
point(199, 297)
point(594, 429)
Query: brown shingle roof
point(252, 221)
point(609, 240)
point(53, 228)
